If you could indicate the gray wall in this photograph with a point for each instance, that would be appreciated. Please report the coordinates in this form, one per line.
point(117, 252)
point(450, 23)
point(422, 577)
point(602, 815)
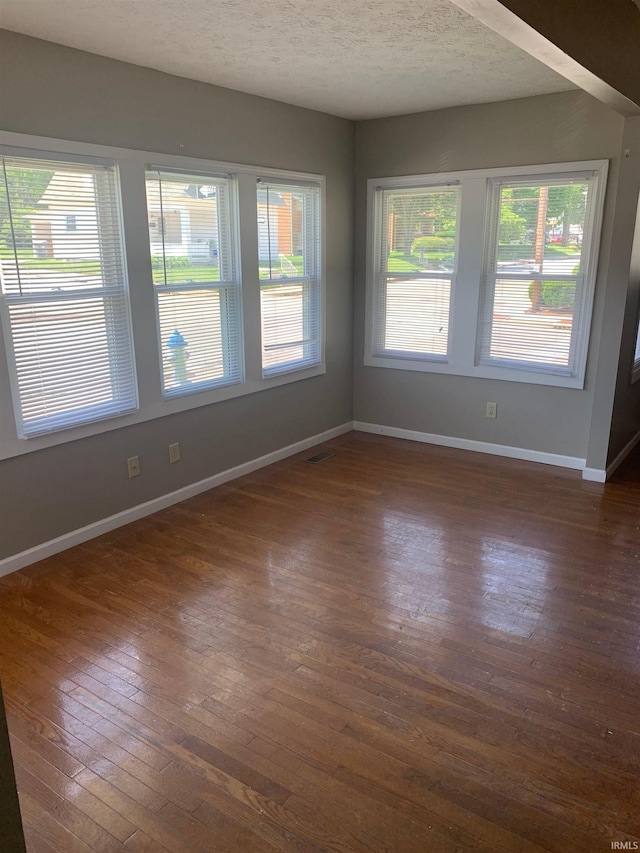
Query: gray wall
point(54, 91)
point(49, 90)
point(546, 129)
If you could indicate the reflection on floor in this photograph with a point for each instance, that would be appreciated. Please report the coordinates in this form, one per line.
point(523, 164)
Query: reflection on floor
point(401, 648)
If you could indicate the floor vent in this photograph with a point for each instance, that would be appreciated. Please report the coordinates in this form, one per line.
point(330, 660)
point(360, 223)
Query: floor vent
point(320, 457)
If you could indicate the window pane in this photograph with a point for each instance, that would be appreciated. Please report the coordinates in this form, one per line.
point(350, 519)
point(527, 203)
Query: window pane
point(283, 334)
point(64, 294)
point(192, 244)
point(283, 241)
point(289, 264)
point(417, 316)
point(417, 239)
point(198, 337)
point(69, 356)
point(534, 283)
point(542, 336)
point(419, 230)
point(39, 252)
point(541, 228)
point(186, 217)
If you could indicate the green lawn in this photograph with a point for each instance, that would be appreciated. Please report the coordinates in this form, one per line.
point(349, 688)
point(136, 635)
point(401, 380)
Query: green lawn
point(54, 264)
point(399, 262)
point(195, 272)
point(289, 266)
point(526, 250)
point(281, 267)
point(555, 249)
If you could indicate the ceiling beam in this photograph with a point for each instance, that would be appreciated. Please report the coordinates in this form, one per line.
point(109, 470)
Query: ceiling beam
point(593, 44)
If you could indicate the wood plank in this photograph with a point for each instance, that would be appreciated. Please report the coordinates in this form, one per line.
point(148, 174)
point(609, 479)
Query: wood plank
point(403, 648)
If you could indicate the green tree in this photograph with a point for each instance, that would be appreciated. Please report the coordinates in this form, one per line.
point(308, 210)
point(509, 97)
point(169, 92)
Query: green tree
point(406, 217)
point(512, 226)
point(444, 209)
point(411, 210)
point(567, 204)
point(26, 187)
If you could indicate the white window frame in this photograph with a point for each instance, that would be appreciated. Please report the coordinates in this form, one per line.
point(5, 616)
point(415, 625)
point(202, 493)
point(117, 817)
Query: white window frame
point(472, 253)
point(110, 292)
point(226, 283)
point(376, 273)
point(313, 278)
point(132, 165)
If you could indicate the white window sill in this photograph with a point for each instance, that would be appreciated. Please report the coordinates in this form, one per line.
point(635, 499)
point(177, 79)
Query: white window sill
point(477, 372)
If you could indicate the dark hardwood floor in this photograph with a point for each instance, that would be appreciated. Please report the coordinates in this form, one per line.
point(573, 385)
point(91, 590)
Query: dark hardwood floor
point(402, 648)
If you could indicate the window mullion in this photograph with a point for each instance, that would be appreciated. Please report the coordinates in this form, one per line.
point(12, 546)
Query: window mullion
point(466, 298)
point(250, 277)
point(8, 384)
point(143, 310)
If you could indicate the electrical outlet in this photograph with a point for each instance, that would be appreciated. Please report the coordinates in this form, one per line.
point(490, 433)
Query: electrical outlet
point(133, 466)
point(174, 452)
point(492, 410)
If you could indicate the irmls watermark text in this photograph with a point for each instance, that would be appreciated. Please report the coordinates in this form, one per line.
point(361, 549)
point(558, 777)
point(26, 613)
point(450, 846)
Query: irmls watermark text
point(625, 845)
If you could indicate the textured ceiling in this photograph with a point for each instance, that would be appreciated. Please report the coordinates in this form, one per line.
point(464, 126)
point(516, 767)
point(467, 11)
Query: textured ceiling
point(353, 58)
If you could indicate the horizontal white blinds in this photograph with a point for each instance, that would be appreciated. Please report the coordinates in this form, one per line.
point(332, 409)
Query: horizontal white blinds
point(289, 256)
point(416, 230)
point(64, 302)
point(533, 287)
point(192, 241)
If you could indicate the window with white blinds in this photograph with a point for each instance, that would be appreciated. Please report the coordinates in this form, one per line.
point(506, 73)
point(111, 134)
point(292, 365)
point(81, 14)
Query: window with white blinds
point(193, 243)
point(64, 300)
point(108, 256)
point(289, 259)
point(533, 289)
point(414, 263)
point(487, 273)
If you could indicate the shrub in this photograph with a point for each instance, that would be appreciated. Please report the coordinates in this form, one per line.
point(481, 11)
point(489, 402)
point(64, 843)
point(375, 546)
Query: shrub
point(171, 262)
point(558, 295)
point(445, 234)
point(431, 244)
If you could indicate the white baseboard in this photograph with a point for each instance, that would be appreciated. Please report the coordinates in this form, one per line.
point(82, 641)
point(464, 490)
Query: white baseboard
point(90, 531)
point(83, 534)
point(626, 450)
point(594, 475)
point(478, 446)
point(600, 475)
